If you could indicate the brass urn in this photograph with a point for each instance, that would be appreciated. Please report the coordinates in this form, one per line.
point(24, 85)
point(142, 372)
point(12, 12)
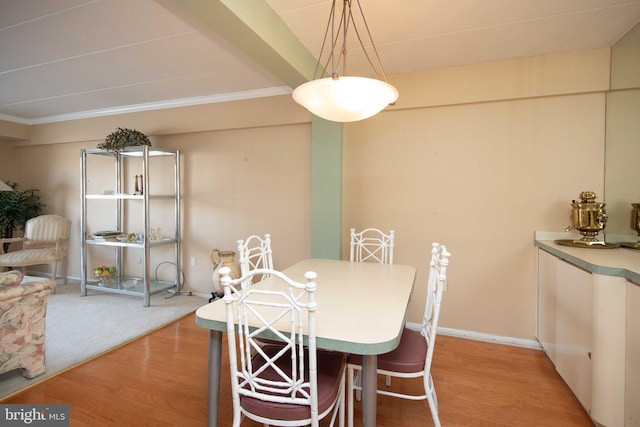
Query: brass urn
point(635, 225)
point(589, 218)
point(635, 217)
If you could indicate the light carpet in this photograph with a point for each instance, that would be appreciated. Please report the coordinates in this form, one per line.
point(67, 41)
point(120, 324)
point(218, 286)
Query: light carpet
point(81, 328)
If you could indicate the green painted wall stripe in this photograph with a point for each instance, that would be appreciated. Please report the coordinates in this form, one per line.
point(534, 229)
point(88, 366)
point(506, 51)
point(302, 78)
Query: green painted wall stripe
point(326, 188)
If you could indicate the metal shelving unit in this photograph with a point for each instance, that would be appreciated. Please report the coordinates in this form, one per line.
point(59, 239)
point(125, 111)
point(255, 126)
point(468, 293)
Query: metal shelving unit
point(143, 286)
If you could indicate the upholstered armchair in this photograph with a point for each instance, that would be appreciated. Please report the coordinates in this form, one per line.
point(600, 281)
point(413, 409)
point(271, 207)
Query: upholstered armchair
point(23, 309)
point(45, 241)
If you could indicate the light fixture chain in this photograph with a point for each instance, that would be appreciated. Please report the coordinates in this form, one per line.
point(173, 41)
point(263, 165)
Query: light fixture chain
point(324, 41)
point(345, 20)
point(366, 25)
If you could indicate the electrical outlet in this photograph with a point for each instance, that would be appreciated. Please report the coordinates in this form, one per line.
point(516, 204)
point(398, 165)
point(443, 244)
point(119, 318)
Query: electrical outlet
point(193, 261)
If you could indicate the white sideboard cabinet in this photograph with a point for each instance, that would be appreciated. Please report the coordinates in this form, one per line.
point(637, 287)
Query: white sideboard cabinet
point(589, 326)
point(574, 329)
point(547, 284)
point(565, 297)
point(632, 401)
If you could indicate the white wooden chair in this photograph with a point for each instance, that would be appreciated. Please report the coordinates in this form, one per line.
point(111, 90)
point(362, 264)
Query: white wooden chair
point(284, 385)
point(255, 252)
point(372, 244)
point(413, 356)
point(45, 241)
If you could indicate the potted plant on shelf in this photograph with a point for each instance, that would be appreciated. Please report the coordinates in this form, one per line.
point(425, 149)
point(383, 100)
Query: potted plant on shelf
point(123, 137)
point(16, 208)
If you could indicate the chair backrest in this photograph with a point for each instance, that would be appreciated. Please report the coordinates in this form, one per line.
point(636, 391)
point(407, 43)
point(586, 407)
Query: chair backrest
point(254, 252)
point(372, 244)
point(282, 311)
point(45, 230)
point(435, 287)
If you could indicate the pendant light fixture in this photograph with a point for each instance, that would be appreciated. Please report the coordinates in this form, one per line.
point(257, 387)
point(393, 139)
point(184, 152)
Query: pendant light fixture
point(342, 98)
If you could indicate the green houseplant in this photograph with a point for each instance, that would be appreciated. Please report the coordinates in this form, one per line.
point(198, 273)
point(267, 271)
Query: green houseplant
point(16, 208)
point(123, 137)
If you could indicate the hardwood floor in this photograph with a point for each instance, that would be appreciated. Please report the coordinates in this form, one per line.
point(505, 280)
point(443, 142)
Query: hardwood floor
point(161, 380)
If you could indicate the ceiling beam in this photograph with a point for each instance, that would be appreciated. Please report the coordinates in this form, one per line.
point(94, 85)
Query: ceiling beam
point(253, 27)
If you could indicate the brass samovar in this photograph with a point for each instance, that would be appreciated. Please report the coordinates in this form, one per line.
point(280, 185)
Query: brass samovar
point(589, 218)
point(635, 225)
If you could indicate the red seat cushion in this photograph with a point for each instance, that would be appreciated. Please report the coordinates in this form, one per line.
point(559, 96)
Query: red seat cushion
point(331, 365)
point(408, 357)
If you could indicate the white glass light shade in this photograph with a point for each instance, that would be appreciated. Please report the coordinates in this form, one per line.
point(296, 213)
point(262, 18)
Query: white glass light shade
point(345, 99)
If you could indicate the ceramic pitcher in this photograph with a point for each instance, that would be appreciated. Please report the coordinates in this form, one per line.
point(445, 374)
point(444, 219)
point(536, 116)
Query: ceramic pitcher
point(223, 259)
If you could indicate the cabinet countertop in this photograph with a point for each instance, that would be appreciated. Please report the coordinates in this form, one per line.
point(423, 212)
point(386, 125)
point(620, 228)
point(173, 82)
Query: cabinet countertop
point(621, 261)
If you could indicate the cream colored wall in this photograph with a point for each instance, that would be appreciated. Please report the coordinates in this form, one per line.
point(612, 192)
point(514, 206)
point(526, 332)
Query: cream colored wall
point(6, 171)
point(236, 182)
point(243, 182)
point(477, 157)
point(480, 175)
point(479, 178)
point(9, 133)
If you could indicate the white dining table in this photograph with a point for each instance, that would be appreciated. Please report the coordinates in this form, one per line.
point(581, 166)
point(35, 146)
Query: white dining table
point(361, 310)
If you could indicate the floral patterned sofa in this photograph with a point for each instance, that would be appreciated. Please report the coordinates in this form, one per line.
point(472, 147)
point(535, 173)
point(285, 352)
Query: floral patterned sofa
point(23, 309)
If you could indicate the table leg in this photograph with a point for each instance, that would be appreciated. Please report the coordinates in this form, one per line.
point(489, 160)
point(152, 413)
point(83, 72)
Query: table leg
point(369, 389)
point(215, 357)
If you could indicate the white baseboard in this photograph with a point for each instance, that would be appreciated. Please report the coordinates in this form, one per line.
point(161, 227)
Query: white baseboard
point(477, 336)
point(201, 295)
point(458, 333)
point(32, 273)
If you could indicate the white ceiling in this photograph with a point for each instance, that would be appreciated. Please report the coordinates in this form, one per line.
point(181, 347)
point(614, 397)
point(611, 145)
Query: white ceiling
point(63, 59)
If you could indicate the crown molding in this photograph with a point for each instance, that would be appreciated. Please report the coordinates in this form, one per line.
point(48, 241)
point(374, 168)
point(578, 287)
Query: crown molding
point(175, 103)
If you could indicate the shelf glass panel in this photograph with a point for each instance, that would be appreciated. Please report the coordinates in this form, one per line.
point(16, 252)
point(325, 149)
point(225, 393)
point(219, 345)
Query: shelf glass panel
point(129, 285)
point(160, 242)
point(136, 151)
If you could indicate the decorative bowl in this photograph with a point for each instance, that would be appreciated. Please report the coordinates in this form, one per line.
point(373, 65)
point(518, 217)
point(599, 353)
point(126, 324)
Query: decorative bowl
point(105, 274)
